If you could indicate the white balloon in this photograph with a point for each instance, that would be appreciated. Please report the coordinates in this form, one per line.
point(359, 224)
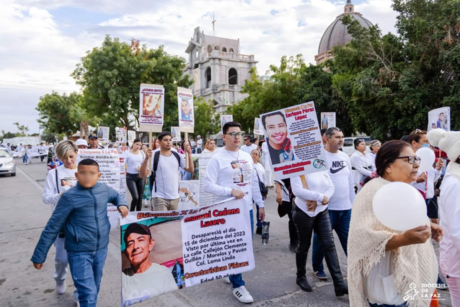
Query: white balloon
point(428, 157)
point(399, 206)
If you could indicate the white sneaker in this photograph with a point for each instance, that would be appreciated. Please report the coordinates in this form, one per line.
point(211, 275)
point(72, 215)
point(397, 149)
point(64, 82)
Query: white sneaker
point(60, 289)
point(243, 295)
point(75, 297)
point(227, 280)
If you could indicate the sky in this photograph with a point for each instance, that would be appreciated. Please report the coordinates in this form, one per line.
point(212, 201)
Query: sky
point(44, 40)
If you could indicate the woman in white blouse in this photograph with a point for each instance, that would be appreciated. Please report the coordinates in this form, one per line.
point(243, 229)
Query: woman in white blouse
point(374, 146)
point(260, 171)
point(309, 213)
point(362, 165)
point(135, 184)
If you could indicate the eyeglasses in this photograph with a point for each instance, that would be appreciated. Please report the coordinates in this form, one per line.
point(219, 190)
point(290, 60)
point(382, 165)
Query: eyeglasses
point(411, 159)
point(235, 134)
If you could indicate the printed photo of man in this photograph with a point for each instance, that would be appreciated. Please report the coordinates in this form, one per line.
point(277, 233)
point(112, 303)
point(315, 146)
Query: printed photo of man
point(441, 122)
point(279, 145)
point(186, 110)
point(143, 279)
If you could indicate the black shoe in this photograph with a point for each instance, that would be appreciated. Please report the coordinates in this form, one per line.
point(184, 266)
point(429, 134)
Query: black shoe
point(259, 231)
point(293, 247)
point(341, 290)
point(303, 284)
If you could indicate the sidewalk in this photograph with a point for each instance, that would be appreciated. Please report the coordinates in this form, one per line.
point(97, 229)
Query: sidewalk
point(24, 215)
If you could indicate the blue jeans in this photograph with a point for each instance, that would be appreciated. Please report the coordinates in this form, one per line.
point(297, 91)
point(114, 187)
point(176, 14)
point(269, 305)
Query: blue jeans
point(375, 305)
point(237, 280)
point(24, 159)
point(340, 222)
point(86, 269)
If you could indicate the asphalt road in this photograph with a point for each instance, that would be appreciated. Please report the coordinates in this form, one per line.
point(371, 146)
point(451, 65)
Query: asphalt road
point(23, 216)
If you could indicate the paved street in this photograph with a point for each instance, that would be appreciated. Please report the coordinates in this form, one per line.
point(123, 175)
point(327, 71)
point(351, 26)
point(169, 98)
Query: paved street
point(24, 215)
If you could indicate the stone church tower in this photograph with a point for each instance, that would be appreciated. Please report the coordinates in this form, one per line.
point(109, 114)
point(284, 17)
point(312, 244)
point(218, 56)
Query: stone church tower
point(218, 69)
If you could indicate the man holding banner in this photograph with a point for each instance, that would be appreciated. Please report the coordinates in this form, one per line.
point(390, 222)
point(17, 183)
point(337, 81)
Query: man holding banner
point(230, 173)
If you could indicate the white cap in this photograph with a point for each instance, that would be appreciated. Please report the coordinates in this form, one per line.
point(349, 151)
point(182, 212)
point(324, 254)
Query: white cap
point(446, 141)
point(81, 142)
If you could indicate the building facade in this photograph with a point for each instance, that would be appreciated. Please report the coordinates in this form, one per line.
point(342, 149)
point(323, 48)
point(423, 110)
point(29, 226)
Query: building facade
point(218, 69)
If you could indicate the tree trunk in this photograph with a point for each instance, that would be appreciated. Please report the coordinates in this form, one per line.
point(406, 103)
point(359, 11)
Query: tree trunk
point(82, 125)
point(86, 131)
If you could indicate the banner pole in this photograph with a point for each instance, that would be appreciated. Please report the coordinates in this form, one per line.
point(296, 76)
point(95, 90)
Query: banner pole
point(186, 153)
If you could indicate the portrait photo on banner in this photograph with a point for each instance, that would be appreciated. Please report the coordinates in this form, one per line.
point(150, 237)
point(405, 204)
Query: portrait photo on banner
point(151, 104)
point(294, 142)
point(175, 134)
point(439, 118)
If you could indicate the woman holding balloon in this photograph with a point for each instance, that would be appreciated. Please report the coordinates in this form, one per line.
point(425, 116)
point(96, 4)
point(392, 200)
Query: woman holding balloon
point(449, 208)
point(389, 241)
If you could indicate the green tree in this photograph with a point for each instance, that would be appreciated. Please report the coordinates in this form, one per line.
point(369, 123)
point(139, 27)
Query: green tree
point(111, 76)
point(22, 129)
point(49, 137)
point(206, 120)
point(7, 135)
point(54, 111)
point(78, 114)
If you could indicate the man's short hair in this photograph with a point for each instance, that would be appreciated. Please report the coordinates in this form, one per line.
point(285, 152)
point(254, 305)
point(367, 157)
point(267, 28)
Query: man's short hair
point(441, 114)
point(163, 134)
point(331, 131)
point(230, 125)
point(89, 162)
point(323, 131)
point(273, 114)
point(136, 228)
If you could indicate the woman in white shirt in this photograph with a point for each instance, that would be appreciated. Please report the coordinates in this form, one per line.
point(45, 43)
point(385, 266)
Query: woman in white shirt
point(210, 146)
point(267, 165)
point(57, 182)
point(374, 146)
point(362, 165)
point(309, 213)
point(133, 160)
point(260, 171)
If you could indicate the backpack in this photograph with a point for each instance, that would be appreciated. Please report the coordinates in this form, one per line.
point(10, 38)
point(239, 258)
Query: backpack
point(156, 160)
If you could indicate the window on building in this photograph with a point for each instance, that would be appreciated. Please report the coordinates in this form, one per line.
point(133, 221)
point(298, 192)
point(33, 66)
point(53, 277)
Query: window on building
point(216, 48)
point(224, 49)
point(231, 50)
point(209, 49)
point(207, 75)
point(232, 76)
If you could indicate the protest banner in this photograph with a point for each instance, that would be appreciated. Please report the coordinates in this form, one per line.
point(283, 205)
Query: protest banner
point(175, 134)
point(121, 135)
point(186, 111)
point(183, 248)
point(109, 167)
point(151, 107)
point(439, 118)
point(206, 199)
point(294, 142)
point(225, 119)
point(131, 136)
point(258, 127)
point(103, 134)
point(327, 120)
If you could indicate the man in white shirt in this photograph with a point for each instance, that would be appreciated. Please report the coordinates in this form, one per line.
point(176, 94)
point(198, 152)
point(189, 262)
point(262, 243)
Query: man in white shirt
point(248, 146)
point(165, 194)
point(341, 202)
point(230, 172)
point(42, 151)
point(199, 144)
point(143, 279)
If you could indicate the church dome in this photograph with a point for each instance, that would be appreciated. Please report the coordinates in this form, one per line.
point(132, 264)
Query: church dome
point(337, 34)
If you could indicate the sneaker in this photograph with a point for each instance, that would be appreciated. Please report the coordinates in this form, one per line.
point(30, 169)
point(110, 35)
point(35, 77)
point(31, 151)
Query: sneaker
point(75, 297)
point(227, 280)
point(320, 275)
point(243, 295)
point(60, 289)
point(259, 231)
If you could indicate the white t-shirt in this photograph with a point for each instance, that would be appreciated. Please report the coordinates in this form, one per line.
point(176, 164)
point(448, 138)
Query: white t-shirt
point(249, 148)
point(227, 170)
point(199, 143)
point(134, 161)
point(260, 171)
point(66, 180)
point(156, 280)
point(167, 177)
point(319, 185)
point(192, 143)
point(342, 177)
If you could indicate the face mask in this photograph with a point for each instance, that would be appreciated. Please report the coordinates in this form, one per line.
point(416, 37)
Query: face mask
point(425, 145)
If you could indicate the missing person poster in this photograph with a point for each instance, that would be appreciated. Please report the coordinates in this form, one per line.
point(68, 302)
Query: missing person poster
point(103, 134)
point(294, 142)
point(327, 120)
point(121, 136)
point(170, 250)
point(131, 136)
point(258, 127)
point(439, 118)
point(225, 119)
point(110, 169)
point(151, 107)
point(175, 134)
point(186, 111)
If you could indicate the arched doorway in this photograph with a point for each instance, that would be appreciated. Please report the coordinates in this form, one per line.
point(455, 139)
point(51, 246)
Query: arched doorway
point(207, 75)
point(232, 76)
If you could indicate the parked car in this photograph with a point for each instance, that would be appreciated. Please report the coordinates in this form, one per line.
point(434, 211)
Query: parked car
point(7, 163)
point(349, 146)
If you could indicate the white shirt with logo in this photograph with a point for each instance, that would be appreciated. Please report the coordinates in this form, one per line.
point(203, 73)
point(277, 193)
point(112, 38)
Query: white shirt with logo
point(339, 165)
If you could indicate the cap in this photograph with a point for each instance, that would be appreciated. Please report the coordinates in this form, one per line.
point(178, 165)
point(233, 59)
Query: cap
point(136, 228)
point(92, 136)
point(80, 142)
